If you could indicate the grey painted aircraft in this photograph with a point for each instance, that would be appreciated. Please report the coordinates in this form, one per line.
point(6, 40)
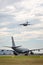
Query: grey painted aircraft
point(18, 50)
point(25, 24)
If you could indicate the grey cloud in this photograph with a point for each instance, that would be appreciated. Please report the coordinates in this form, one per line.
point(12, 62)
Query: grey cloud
point(41, 4)
point(6, 17)
point(4, 3)
point(17, 3)
point(34, 21)
point(39, 14)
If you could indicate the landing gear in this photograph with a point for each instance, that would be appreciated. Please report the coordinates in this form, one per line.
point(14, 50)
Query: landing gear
point(15, 53)
point(31, 53)
point(26, 54)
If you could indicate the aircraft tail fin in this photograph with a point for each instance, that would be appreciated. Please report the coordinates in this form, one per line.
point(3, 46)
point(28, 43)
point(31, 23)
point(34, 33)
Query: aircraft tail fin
point(13, 43)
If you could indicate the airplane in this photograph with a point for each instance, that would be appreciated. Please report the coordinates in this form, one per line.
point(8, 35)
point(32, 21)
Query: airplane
point(25, 24)
point(18, 50)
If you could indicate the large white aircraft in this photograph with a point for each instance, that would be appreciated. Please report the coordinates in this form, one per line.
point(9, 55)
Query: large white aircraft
point(18, 50)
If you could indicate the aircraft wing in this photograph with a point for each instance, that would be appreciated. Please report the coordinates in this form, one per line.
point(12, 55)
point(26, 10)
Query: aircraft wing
point(36, 49)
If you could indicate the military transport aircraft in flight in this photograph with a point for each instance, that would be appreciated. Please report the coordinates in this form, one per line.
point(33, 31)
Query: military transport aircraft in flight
point(18, 50)
point(25, 24)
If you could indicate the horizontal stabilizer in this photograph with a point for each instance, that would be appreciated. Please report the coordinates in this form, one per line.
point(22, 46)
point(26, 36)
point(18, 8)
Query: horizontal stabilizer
point(13, 46)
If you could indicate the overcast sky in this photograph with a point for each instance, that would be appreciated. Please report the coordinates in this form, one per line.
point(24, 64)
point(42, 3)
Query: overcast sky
point(15, 12)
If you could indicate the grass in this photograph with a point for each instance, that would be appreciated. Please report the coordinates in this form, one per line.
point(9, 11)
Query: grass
point(21, 60)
